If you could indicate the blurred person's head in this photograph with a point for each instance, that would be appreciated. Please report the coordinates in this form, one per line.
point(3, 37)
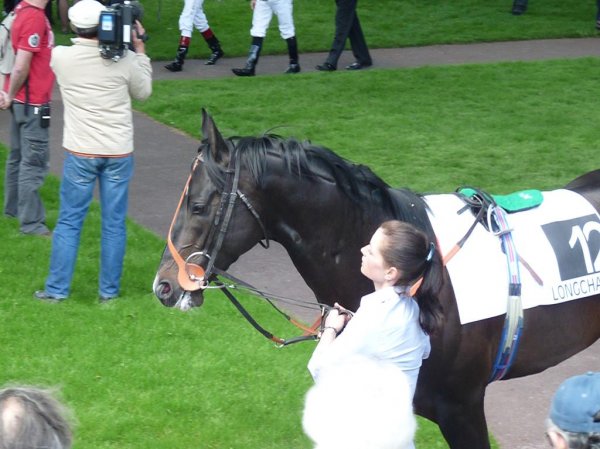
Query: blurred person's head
point(574, 418)
point(360, 403)
point(84, 16)
point(32, 418)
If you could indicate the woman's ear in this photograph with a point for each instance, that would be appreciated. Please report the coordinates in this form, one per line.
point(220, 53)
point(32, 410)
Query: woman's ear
point(392, 274)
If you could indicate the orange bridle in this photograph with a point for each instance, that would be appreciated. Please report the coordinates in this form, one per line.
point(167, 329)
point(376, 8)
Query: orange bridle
point(191, 277)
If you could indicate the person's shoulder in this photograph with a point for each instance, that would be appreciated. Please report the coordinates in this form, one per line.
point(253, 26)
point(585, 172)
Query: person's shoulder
point(137, 57)
point(63, 56)
point(28, 11)
point(60, 50)
point(30, 17)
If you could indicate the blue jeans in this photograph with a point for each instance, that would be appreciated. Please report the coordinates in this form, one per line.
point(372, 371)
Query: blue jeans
point(76, 193)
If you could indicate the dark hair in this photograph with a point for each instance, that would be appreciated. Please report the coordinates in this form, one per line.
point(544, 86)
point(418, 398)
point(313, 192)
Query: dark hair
point(40, 420)
point(582, 440)
point(410, 251)
point(86, 33)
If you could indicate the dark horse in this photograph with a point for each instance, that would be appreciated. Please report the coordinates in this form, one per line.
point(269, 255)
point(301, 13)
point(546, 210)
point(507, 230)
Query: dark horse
point(322, 209)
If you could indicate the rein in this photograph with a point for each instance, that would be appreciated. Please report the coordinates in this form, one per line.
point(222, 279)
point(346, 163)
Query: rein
point(310, 333)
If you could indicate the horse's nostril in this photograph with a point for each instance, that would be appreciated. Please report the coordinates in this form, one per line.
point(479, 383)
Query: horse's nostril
point(163, 290)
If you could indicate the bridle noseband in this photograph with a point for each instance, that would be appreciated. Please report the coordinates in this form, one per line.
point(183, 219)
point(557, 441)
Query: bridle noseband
point(191, 276)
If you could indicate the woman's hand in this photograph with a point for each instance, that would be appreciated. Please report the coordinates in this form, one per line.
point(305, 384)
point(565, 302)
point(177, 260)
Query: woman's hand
point(338, 317)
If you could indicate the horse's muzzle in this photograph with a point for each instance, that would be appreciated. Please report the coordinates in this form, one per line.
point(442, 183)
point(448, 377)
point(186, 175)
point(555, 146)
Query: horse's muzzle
point(171, 295)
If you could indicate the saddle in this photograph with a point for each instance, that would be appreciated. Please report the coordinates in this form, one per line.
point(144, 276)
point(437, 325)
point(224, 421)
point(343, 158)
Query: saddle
point(479, 202)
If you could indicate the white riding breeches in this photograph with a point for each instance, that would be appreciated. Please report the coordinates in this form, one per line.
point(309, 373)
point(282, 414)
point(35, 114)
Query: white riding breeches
point(263, 12)
point(192, 17)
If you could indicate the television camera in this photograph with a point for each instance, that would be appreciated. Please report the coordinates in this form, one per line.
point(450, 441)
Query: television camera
point(115, 27)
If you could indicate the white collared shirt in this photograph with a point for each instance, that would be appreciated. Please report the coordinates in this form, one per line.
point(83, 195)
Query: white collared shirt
point(385, 326)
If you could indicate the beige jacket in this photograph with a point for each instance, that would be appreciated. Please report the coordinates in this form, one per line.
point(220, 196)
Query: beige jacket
point(97, 96)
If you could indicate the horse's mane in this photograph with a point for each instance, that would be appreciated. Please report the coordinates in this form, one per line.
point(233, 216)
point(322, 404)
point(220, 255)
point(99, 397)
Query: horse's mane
point(305, 160)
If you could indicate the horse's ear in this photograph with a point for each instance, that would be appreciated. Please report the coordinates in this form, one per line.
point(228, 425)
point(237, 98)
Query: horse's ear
point(217, 145)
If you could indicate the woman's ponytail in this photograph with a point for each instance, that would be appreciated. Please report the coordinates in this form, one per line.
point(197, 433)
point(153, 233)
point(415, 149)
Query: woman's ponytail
point(419, 262)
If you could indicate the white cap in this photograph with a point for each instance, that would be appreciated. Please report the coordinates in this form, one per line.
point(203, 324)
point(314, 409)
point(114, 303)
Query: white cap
point(86, 13)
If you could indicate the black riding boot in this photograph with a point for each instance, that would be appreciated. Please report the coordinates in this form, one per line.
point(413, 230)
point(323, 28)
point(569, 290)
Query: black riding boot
point(292, 45)
point(519, 7)
point(215, 47)
point(177, 65)
point(253, 56)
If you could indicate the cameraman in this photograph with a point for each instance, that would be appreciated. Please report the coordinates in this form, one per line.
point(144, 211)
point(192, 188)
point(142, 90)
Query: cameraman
point(98, 139)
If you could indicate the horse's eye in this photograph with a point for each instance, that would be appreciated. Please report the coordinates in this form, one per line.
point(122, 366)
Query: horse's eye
point(198, 209)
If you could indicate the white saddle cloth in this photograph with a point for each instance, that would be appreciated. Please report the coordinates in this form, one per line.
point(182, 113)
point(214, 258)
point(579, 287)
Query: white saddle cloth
point(560, 240)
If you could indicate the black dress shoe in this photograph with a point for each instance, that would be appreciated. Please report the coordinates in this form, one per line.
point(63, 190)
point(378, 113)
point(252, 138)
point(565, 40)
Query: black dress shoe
point(325, 67)
point(358, 66)
point(243, 72)
point(293, 68)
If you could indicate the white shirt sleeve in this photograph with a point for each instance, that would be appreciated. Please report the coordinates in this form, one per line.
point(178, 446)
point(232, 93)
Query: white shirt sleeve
point(350, 341)
point(386, 326)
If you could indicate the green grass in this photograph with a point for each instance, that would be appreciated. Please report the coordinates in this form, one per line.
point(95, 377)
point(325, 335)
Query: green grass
point(386, 23)
point(139, 375)
point(501, 127)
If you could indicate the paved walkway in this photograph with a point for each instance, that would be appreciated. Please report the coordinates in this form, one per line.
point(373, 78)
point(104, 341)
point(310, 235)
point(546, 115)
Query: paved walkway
point(515, 409)
point(406, 57)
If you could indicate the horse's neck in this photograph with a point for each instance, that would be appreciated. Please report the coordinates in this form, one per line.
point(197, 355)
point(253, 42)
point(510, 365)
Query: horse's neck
point(322, 231)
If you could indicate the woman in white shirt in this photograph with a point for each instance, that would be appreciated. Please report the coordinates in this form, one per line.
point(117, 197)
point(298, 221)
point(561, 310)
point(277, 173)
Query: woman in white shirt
point(391, 323)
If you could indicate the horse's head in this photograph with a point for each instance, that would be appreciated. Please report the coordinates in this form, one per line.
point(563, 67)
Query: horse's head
point(216, 221)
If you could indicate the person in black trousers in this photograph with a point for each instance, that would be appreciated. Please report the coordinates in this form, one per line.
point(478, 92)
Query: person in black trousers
point(9, 5)
point(520, 6)
point(347, 26)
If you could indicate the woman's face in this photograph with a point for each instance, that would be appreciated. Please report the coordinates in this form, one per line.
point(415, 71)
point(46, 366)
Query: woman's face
point(373, 266)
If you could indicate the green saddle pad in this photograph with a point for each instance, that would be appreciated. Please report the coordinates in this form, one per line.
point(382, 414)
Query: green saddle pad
point(513, 202)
